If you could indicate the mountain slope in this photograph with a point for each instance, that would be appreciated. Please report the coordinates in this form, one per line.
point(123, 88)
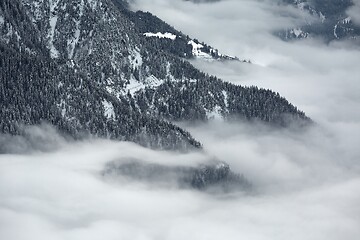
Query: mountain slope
point(85, 67)
point(331, 20)
point(163, 36)
point(35, 87)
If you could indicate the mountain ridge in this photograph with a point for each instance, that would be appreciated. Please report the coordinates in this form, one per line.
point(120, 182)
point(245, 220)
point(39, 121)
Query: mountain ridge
point(90, 71)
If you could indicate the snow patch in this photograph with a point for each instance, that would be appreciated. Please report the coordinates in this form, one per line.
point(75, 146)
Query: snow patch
point(196, 51)
point(62, 107)
point(2, 20)
point(215, 114)
point(346, 20)
point(109, 112)
point(169, 76)
point(322, 17)
point(53, 4)
point(74, 41)
point(114, 91)
point(153, 81)
point(335, 29)
point(225, 94)
point(93, 4)
point(53, 51)
point(221, 165)
point(53, 21)
point(110, 90)
point(37, 12)
point(161, 35)
point(135, 58)
point(134, 85)
point(297, 32)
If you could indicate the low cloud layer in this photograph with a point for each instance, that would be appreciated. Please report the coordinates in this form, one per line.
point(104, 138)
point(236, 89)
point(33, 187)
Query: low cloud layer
point(305, 182)
point(229, 25)
point(302, 189)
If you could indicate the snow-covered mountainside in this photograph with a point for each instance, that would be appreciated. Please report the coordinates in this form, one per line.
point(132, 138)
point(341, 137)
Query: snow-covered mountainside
point(90, 68)
point(163, 36)
point(331, 20)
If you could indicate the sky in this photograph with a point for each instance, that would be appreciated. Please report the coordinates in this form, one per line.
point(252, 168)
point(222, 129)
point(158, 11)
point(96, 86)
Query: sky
point(305, 183)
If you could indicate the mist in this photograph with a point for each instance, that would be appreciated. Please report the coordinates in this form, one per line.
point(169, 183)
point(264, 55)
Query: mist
point(354, 12)
point(305, 183)
point(303, 187)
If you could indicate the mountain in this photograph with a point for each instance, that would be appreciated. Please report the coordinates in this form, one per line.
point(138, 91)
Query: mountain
point(163, 36)
point(214, 176)
point(96, 68)
point(330, 20)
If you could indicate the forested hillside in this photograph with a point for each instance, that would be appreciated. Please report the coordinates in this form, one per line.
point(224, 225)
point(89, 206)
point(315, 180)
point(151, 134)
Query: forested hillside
point(87, 68)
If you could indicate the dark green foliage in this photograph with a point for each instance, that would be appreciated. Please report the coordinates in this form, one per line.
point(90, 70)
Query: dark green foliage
point(194, 100)
point(75, 90)
point(33, 90)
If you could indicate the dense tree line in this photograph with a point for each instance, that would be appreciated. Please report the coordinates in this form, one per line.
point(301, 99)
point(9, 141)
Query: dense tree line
point(146, 22)
point(100, 54)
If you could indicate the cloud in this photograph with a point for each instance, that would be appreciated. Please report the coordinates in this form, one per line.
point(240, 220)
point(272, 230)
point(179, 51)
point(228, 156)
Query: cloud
point(305, 182)
point(62, 195)
point(227, 24)
point(354, 12)
point(43, 137)
point(318, 78)
point(305, 72)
